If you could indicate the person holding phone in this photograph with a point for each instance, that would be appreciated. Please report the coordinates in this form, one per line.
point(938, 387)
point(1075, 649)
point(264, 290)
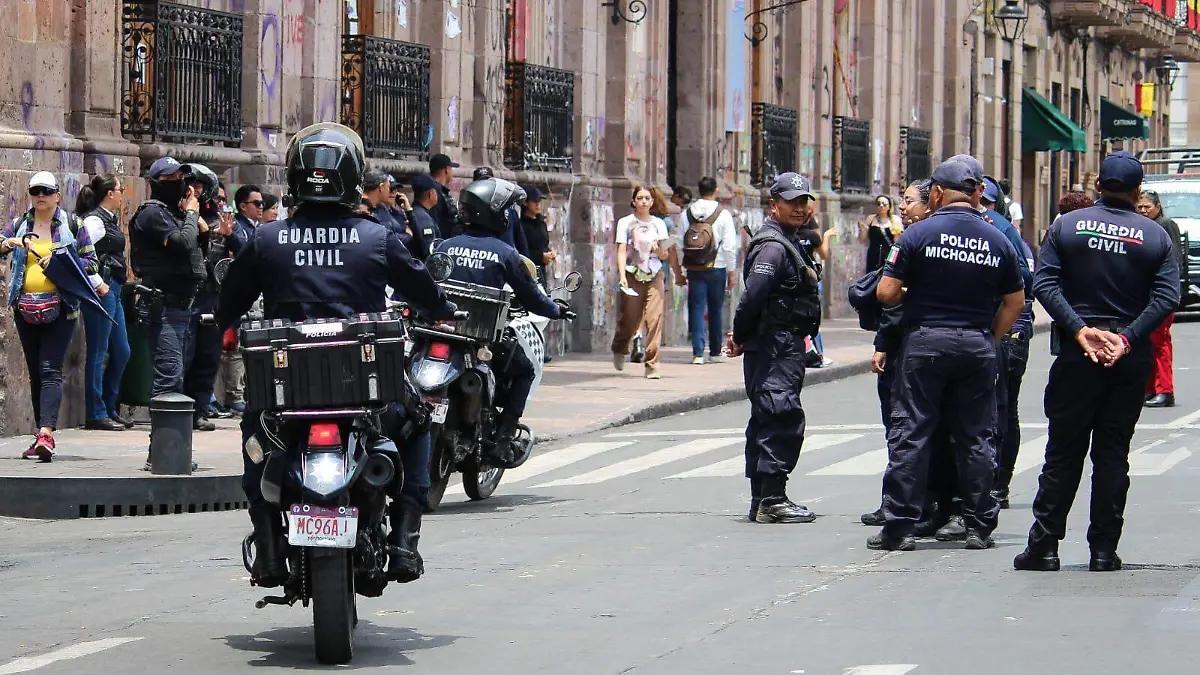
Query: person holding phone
point(640, 241)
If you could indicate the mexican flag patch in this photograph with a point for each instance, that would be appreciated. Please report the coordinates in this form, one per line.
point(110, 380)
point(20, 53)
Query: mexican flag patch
point(893, 255)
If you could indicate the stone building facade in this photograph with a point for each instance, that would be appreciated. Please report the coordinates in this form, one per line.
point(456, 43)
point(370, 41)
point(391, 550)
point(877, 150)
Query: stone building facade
point(581, 99)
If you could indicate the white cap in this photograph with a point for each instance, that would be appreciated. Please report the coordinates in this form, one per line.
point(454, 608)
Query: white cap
point(43, 179)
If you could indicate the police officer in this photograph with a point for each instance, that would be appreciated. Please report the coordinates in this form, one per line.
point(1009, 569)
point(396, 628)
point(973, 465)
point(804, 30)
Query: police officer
point(424, 227)
point(481, 257)
point(957, 268)
point(514, 235)
point(779, 308)
point(300, 280)
point(202, 358)
point(1108, 278)
point(441, 170)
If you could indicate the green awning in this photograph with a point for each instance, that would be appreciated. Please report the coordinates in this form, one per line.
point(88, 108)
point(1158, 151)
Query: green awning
point(1119, 124)
point(1045, 127)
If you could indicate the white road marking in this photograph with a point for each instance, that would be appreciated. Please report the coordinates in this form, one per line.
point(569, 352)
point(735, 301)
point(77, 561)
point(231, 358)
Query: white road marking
point(736, 466)
point(884, 669)
point(1143, 463)
point(1030, 455)
point(867, 464)
point(682, 432)
point(648, 461)
point(557, 459)
point(1184, 421)
point(28, 663)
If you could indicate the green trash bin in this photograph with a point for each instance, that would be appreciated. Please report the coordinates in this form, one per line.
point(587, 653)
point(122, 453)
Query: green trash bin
point(139, 373)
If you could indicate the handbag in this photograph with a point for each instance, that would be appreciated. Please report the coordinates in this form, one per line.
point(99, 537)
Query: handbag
point(39, 308)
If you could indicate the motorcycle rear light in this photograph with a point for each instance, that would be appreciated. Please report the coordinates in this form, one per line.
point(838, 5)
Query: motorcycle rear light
point(439, 350)
point(324, 435)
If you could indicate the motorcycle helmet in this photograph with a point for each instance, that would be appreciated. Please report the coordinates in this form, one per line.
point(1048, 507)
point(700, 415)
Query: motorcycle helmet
point(208, 181)
point(484, 203)
point(325, 163)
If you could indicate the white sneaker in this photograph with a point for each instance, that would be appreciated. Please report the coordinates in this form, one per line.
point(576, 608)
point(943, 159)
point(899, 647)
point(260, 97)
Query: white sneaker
point(716, 359)
point(697, 360)
point(618, 361)
point(652, 374)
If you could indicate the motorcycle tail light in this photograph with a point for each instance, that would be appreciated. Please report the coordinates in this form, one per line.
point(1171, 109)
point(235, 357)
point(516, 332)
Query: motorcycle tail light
point(324, 435)
point(439, 350)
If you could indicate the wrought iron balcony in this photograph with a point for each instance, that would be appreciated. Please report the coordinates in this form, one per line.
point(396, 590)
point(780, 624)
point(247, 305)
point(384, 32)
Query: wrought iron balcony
point(916, 151)
point(1089, 12)
point(539, 118)
point(1143, 28)
point(181, 73)
point(773, 142)
point(851, 154)
point(385, 95)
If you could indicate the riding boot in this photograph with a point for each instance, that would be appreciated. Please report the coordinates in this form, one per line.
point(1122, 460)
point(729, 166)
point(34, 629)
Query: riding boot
point(775, 506)
point(404, 562)
point(506, 435)
point(270, 565)
point(755, 497)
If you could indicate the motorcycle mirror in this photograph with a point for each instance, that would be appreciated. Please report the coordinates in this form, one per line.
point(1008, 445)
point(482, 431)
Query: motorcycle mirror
point(573, 282)
point(221, 269)
point(439, 266)
point(435, 245)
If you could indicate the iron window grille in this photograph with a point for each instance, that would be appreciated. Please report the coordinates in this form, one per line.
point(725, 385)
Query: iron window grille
point(851, 154)
point(539, 118)
point(773, 147)
point(915, 151)
point(385, 95)
point(182, 73)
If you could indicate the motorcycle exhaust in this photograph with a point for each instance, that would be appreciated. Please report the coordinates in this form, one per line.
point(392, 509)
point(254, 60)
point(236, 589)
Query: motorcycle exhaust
point(471, 383)
point(379, 471)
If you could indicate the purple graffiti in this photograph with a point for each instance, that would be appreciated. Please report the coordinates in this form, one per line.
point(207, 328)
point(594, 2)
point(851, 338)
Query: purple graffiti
point(27, 104)
point(274, 69)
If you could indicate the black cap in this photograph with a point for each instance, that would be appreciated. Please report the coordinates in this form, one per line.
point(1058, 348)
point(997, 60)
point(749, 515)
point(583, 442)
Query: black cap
point(439, 162)
point(533, 194)
point(424, 183)
point(789, 186)
point(957, 174)
point(1121, 172)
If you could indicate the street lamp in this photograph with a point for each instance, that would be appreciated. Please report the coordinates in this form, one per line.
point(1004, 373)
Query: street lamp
point(1010, 20)
point(1167, 71)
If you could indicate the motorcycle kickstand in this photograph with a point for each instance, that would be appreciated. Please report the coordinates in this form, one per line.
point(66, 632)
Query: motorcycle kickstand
point(288, 600)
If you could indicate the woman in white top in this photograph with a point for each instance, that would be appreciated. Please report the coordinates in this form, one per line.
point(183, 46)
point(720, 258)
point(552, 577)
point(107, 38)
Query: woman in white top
point(880, 231)
point(641, 250)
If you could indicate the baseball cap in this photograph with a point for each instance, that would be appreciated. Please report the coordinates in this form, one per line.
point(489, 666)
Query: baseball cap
point(789, 186)
point(439, 162)
point(957, 174)
point(43, 179)
point(991, 191)
point(970, 161)
point(164, 166)
point(1121, 172)
point(533, 194)
point(482, 173)
point(424, 183)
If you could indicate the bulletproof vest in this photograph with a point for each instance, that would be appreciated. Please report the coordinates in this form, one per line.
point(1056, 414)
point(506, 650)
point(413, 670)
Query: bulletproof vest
point(153, 261)
point(335, 260)
point(794, 305)
point(111, 248)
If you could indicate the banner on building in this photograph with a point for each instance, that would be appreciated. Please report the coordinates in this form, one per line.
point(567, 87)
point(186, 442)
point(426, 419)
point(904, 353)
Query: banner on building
point(735, 67)
point(1145, 99)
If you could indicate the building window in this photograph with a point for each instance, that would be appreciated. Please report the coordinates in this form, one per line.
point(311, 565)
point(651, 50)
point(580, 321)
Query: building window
point(539, 118)
point(915, 148)
point(182, 73)
point(385, 95)
point(773, 142)
point(851, 155)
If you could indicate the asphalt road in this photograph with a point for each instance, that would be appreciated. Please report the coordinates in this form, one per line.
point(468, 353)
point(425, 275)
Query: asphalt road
point(627, 552)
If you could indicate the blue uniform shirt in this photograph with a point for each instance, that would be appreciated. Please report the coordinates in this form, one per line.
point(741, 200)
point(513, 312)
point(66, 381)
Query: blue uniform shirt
point(1010, 233)
point(1106, 262)
point(485, 260)
point(956, 267)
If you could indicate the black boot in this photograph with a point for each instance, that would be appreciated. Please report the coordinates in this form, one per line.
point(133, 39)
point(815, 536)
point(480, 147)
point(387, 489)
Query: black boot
point(775, 506)
point(404, 562)
point(1000, 488)
point(1038, 556)
point(755, 497)
point(939, 516)
point(1104, 561)
point(874, 519)
point(270, 564)
point(506, 435)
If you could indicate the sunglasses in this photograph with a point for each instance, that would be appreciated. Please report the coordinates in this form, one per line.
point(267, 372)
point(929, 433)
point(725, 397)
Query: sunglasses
point(42, 191)
point(257, 202)
point(882, 203)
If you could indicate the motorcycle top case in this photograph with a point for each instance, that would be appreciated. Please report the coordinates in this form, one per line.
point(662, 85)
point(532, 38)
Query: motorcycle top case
point(487, 309)
point(323, 363)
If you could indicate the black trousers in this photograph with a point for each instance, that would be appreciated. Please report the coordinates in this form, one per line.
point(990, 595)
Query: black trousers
point(202, 355)
point(1086, 402)
point(1014, 349)
point(947, 375)
point(943, 473)
point(774, 375)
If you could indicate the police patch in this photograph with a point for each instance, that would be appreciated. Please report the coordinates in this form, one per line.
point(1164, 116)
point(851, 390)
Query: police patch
point(893, 255)
point(763, 268)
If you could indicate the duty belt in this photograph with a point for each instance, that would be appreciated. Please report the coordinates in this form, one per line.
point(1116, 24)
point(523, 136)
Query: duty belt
point(177, 301)
point(1111, 325)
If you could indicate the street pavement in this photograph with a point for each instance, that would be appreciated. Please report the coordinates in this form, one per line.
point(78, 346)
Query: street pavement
point(626, 551)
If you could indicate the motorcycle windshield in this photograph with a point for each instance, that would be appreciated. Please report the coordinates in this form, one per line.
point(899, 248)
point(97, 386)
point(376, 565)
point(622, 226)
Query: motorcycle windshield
point(324, 473)
point(431, 375)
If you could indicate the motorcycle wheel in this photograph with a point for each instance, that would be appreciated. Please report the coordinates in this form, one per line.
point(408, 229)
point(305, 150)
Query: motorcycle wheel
point(481, 484)
point(334, 608)
point(439, 478)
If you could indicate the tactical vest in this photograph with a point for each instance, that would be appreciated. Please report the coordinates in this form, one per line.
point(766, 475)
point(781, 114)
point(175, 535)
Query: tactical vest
point(159, 266)
point(794, 305)
point(323, 259)
point(110, 250)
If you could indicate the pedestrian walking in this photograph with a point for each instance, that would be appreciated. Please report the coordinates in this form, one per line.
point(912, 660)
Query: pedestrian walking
point(879, 231)
point(957, 268)
point(641, 250)
point(1160, 388)
point(708, 242)
point(778, 310)
point(1108, 277)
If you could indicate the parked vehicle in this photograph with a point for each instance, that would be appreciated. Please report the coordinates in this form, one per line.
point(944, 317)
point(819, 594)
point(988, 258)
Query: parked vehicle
point(1174, 173)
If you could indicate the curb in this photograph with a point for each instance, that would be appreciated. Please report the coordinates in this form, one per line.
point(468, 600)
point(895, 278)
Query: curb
point(69, 498)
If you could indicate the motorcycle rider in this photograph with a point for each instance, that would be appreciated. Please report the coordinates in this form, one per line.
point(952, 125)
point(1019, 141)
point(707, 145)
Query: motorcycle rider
point(482, 257)
point(325, 163)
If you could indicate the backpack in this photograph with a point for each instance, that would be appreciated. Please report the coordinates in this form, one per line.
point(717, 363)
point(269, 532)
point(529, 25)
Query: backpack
point(699, 242)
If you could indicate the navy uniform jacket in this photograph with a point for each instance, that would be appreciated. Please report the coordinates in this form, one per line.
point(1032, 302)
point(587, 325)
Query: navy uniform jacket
point(485, 260)
point(1010, 233)
point(1107, 263)
point(956, 266)
point(767, 266)
point(325, 264)
point(424, 230)
point(243, 229)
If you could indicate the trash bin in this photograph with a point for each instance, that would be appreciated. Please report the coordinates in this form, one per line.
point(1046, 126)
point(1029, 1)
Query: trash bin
point(138, 378)
point(171, 418)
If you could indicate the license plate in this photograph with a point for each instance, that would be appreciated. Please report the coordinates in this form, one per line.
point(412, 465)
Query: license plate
point(439, 412)
point(323, 526)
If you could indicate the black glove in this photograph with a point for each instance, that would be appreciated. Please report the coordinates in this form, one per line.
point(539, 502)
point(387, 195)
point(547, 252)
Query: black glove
point(564, 308)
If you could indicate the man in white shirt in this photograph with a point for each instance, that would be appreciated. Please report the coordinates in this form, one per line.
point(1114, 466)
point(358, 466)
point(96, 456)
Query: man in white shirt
point(708, 243)
point(1014, 211)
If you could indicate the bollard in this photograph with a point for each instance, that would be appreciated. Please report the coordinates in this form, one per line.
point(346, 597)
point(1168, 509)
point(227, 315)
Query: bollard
point(171, 420)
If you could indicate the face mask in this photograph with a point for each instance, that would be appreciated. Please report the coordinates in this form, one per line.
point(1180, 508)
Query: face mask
point(169, 192)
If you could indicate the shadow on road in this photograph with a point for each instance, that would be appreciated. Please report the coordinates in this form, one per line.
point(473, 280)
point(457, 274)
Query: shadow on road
point(374, 646)
point(496, 504)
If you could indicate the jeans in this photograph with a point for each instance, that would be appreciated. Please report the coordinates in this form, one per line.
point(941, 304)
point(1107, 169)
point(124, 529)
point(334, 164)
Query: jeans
point(107, 354)
point(706, 289)
point(169, 337)
point(45, 347)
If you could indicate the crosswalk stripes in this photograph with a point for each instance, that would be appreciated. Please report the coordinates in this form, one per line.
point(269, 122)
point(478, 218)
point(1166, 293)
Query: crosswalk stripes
point(541, 464)
point(648, 461)
point(881, 669)
point(867, 464)
point(1030, 455)
point(1144, 463)
point(736, 466)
